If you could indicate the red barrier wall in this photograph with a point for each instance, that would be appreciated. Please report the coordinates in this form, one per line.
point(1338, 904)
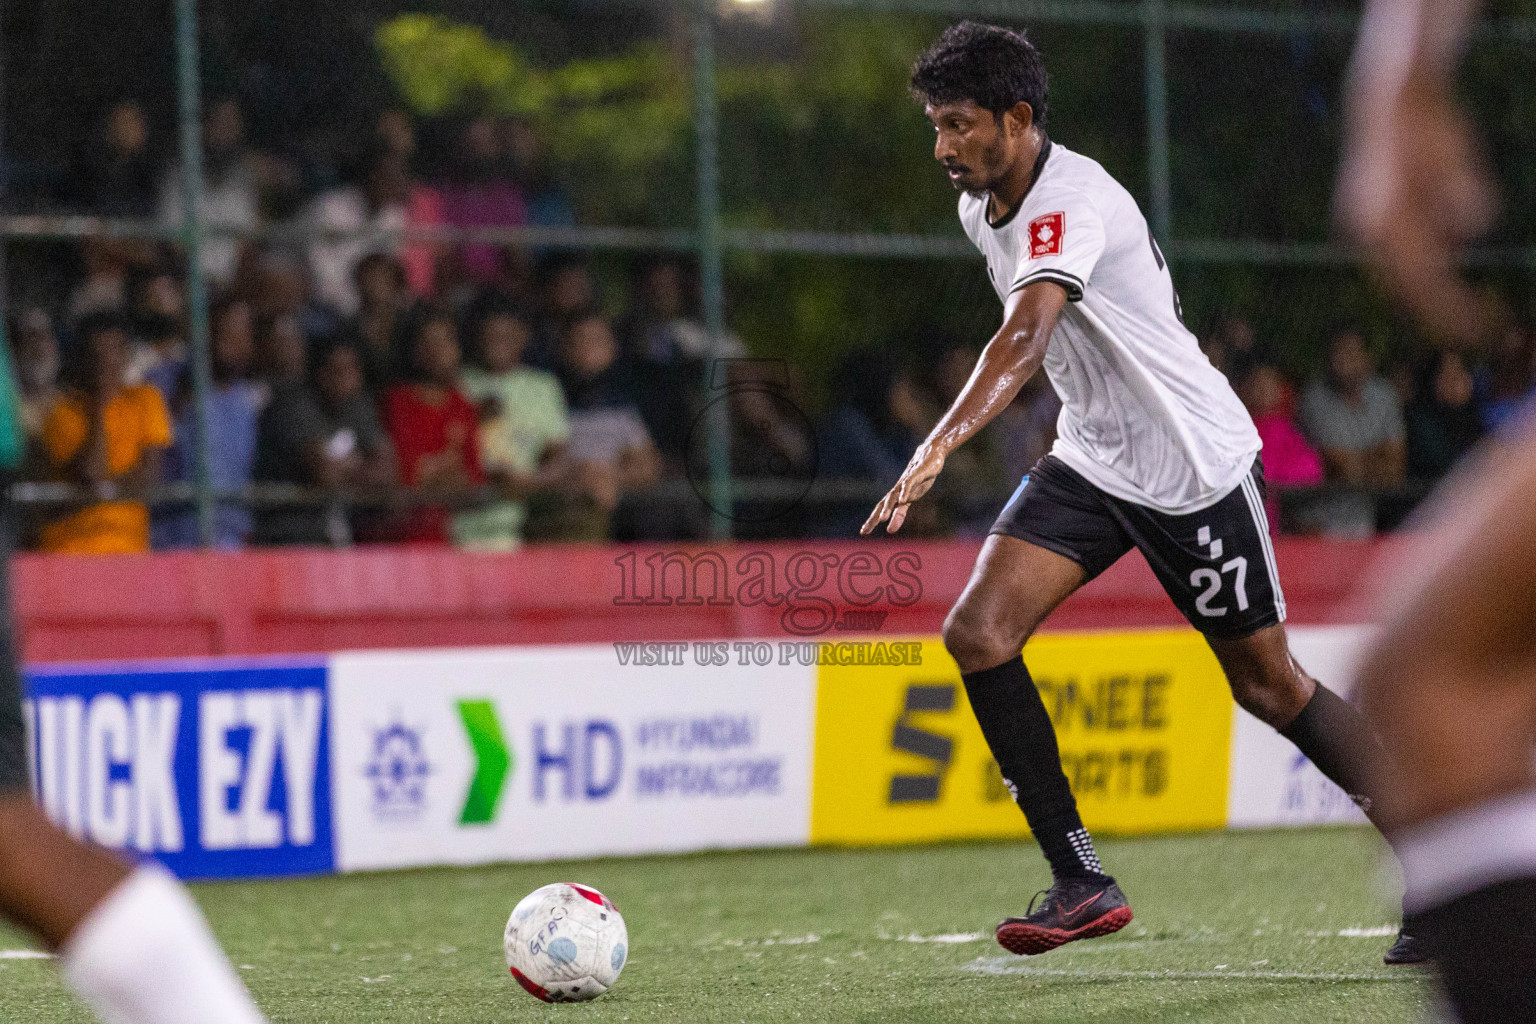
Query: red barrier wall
point(292, 601)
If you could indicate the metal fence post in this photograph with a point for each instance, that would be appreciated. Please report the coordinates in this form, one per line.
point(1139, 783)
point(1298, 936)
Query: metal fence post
point(1155, 50)
point(706, 117)
point(189, 83)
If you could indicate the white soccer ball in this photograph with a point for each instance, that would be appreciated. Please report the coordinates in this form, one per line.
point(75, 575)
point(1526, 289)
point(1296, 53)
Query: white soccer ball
point(566, 943)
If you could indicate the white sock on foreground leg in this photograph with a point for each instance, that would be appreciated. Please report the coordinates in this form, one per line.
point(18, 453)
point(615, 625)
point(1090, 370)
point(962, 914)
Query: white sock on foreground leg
point(1468, 849)
point(145, 955)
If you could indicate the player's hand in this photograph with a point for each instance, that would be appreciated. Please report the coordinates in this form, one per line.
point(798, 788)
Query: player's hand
point(1414, 188)
point(916, 480)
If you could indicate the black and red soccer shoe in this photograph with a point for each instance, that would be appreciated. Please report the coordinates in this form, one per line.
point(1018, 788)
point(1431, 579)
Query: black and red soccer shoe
point(1073, 908)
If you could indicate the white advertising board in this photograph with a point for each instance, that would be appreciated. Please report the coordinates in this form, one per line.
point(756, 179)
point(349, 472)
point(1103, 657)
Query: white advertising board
point(1270, 782)
point(476, 756)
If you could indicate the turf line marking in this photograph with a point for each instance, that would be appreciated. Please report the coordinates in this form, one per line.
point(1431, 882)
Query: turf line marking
point(793, 940)
point(1003, 965)
point(1378, 932)
point(24, 954)
point(950, 938)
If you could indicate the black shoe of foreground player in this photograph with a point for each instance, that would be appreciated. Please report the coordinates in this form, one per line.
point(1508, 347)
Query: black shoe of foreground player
point(1409, 947)
point(1074, 908)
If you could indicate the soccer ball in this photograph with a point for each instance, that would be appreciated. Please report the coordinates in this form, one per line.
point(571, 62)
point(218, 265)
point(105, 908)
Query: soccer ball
point(566, 943)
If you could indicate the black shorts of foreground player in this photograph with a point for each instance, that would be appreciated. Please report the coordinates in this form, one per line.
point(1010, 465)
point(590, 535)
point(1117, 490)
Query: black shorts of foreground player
point(1154, 451)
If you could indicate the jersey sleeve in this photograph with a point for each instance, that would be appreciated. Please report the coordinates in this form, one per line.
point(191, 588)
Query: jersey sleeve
point(1063, 240)
point(64, 430)
point(154, 419)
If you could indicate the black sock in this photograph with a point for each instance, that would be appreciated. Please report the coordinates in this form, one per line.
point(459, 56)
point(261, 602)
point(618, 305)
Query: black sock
point(1337, 739)
point(1017, 728)
point(1485, 945)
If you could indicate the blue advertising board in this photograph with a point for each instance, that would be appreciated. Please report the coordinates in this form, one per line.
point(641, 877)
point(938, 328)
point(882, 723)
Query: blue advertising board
point(216, 769)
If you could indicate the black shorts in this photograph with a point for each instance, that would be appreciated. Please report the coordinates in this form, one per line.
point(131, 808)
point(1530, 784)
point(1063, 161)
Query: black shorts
point(14, 774)
point(1217, 564)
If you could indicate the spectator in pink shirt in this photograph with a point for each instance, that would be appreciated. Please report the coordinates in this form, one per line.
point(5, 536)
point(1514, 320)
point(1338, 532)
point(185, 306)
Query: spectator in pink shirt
point(480, 192)
point(1289, 460)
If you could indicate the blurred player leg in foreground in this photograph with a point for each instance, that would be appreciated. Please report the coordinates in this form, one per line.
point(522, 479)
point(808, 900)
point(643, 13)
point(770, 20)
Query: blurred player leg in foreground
point(1451, 683)
point(131, 941)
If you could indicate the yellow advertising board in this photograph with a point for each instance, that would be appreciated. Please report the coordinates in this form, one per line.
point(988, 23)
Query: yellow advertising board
point(1144, 721)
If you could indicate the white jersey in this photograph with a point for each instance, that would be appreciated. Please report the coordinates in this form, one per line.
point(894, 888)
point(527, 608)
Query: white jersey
point(1145, 416)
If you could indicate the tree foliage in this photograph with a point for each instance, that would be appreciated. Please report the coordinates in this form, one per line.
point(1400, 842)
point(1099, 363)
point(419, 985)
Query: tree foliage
point(818, 132)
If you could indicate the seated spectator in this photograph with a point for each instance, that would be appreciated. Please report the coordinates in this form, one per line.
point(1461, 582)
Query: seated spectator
point(878, 422)
point(282, 353)
point(771, 439)
point(566, 290)
point(394, 133)
point(1289, 461)
point(104, 287)
point(666, 347)
point(773, 450)
point(386, 200)
point(115, 175)
point(479, 192)
point(378, 330)
point(231, 409)
point(513, 288)
point(276, 283)
point(523, 148)
point(523, 430)
point(325, 436)
point(107, 437)
point(662, 325)
point(611, 449)
point(37, 369)
point(1229, 343)
point(435, 430)
point(158, 354)
point(231, 190)
point(156, 291)
point(395, 137)
point(1354, 418)
point(1444, 422)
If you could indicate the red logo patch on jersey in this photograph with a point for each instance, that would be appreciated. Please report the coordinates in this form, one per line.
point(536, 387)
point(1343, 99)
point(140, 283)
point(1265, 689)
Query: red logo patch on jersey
point(1045, 235)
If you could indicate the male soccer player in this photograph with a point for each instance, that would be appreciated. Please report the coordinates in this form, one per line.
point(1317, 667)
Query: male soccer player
point(1154, 452)
point(130, 940)
point(1451, 682)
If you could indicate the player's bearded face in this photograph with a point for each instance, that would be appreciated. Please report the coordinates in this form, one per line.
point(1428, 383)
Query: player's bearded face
point(972, 145)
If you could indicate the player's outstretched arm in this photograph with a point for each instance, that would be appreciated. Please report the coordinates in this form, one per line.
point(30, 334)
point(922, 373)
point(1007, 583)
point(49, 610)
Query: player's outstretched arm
point(1009, 360)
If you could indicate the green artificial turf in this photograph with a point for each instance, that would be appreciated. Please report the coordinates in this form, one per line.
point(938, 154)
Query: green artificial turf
point(1238, 928)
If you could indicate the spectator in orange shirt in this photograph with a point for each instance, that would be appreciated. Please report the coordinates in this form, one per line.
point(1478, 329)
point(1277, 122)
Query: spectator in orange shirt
point(107, 437)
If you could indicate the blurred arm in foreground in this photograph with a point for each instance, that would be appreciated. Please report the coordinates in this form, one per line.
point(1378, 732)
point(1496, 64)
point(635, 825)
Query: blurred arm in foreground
point(1413, 186)
point(1451, 682)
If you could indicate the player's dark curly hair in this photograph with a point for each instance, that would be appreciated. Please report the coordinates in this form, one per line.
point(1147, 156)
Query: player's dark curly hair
point(994, 67)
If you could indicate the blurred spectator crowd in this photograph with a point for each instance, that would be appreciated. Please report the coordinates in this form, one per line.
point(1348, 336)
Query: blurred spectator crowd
point(1356, 448)
point(369, 388)
point(401, 390)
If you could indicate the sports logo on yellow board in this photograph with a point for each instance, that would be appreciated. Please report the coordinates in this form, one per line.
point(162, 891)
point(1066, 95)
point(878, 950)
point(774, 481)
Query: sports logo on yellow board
point(1144, 721)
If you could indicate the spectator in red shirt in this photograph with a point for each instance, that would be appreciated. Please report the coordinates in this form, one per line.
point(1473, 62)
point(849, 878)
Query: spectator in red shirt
point(433, 428)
